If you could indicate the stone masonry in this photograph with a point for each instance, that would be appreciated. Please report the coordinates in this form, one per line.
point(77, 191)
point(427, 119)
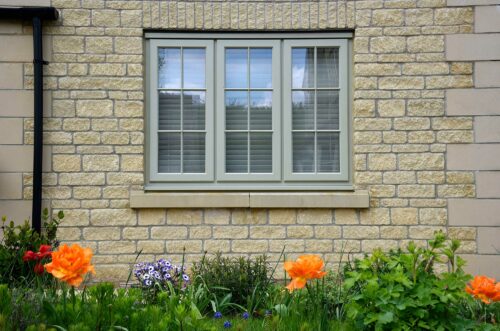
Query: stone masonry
point(426, 150)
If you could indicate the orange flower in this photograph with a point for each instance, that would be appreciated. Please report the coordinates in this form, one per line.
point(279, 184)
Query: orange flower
point(484, 288)
point(306, 267)
point(70, 264)
point(496, 297)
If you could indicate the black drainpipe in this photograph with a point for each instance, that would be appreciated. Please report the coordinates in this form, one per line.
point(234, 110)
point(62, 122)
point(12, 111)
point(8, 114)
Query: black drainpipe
point(36, 15)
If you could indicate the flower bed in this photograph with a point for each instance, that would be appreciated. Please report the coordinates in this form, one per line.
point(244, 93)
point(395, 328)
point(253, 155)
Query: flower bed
point(45, 289)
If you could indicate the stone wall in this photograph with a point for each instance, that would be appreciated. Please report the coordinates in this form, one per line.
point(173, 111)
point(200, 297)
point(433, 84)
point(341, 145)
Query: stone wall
point(481, 157)
point(16, 113)
point(409, 133)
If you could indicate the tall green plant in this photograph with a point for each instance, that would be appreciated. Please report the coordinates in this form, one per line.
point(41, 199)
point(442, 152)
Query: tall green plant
point(240, 281)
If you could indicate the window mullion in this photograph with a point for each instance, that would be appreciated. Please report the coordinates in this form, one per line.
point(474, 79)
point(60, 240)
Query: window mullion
point(182, 110)
point(315, 110)
point(248, 110)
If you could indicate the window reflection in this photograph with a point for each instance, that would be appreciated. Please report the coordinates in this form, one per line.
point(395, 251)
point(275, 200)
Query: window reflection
point(302, 67)
point(236, 67)
point(169, 68)
point(261, 68)
point(194, 67)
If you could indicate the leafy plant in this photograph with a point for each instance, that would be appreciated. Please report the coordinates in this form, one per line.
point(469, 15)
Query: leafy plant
point(17, 239)
point(401, 291)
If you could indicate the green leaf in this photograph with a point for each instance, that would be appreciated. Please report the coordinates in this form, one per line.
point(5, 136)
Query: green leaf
point(423, 325)
point(281, 309)
point(195, 311)
point(349, 283)
point(385, 318)
point(60, 328)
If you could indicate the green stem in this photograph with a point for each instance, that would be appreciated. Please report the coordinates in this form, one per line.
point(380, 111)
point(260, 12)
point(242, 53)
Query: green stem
point(64, 301)
point(73, 297)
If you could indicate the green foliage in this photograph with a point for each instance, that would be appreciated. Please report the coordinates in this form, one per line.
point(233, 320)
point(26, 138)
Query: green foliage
point(17, 239)
point(234, 282)
point(101, 307)
point(401, 290)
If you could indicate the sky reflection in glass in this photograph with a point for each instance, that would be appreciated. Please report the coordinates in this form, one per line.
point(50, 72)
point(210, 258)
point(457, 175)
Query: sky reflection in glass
point(261, 68)
point(169, 68)
point(302, 67)
point(236, 68)
point(194, 68)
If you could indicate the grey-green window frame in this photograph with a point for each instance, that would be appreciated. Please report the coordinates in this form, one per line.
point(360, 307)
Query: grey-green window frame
point(152, 146)
point(283, 179)
point(276, 113)
point(343, 175)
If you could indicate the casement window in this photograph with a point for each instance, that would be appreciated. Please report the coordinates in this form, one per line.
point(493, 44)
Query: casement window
point(248, 112)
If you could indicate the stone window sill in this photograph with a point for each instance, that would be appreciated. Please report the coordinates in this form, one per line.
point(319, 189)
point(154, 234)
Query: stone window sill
point(356, 199)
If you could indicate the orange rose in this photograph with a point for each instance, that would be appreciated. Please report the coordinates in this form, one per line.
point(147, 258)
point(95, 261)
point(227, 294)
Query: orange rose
point(484, 288)
point(306, 267)
point(70, 264)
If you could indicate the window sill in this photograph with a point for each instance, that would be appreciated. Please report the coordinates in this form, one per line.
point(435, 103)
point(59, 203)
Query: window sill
point(356, 199)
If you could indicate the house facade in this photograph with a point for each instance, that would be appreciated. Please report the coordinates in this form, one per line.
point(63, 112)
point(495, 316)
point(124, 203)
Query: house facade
point(174, 128)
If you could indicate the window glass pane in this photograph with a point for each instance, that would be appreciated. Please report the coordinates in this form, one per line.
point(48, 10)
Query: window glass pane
point(169, 104)
point(169, 152)
point(328, 67)
point(303, 151)
point(194, 152)
point(169, 68)
point(236, 152)
point(303, 67)
point(194, 110)
point(261, 152)
point(302, 110)
point(236, 110)
point(261, 110)
point(327, 116)
point(328, 152)
point(194, 67)
point(236, 67)
point(261, 68)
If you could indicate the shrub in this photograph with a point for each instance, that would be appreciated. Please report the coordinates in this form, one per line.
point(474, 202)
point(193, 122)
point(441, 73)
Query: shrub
point(401, 290)
point(22, 238)
point(241, 281)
